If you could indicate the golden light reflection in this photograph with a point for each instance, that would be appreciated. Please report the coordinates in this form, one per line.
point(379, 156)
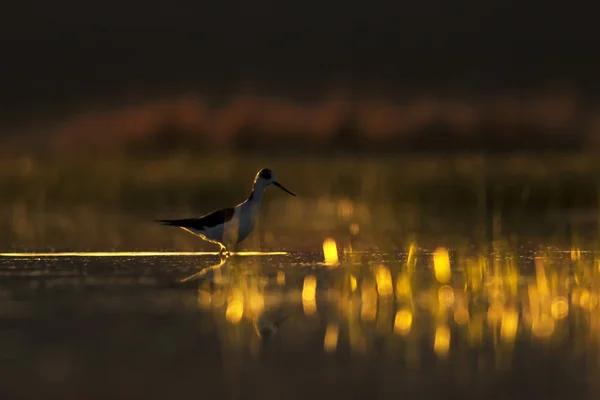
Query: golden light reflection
point(369, 300)
point(280, 278)
point(353, 283)
point(484, 302)
point(235, 307)
point(331, 338)
point(543, 326)
point(411, 259)
point(509, 325)
point(441, 343)
point(383, 277)
point(575, 254)
point(584, 298)
point(441, 265)
point(403, 288)
point(412, 249)
point(257, 303)
point(588, 300)
point(542, 282)
point(309, 291)
point(330, 251)
point(446, 296)
point(495, 313)
point(403, 322)
point(559, 308)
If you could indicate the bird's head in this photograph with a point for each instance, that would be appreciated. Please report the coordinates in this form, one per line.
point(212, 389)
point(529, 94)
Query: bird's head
point(266, 177)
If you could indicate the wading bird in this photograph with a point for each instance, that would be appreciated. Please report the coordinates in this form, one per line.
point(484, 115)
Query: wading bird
point(229, 226)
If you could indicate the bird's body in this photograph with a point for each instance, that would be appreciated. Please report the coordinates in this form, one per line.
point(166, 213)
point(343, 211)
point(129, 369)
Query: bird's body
point(229, 226)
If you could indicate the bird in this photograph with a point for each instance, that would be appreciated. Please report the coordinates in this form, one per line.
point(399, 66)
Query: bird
point(268, 322)
point(229, 226)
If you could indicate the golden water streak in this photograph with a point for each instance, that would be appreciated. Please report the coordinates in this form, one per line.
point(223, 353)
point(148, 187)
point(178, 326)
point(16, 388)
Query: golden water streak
point(139, 254)
point(441, 265)
point(330, 252)
point(309, 291)
point(331, 337)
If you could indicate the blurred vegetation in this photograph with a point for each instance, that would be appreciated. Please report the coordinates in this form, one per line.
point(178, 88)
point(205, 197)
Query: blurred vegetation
point(112, 201)
point(551, 119)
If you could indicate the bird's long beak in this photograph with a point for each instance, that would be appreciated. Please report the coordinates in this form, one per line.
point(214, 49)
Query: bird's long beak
point(282, 188)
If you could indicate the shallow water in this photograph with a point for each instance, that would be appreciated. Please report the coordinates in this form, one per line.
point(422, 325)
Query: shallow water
point(421, 323)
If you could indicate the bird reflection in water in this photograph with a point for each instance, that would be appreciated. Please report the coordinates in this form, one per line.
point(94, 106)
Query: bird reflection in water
point(207, 273)
point(269, 321)
point(241, 299)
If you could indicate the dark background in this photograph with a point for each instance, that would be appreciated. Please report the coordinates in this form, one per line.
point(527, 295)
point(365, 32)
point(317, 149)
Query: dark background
point(65, 58)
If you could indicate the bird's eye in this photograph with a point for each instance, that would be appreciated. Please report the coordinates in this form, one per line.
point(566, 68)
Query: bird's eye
point(266, 174)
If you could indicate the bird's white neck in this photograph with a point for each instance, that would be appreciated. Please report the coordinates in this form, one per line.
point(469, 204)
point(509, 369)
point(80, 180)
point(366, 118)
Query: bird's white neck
point(256, 195)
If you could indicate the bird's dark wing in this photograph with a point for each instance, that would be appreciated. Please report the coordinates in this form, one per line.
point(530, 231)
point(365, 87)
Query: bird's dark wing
point(209, 220)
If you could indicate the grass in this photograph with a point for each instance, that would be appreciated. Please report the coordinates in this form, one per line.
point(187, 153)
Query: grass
point(111, 201)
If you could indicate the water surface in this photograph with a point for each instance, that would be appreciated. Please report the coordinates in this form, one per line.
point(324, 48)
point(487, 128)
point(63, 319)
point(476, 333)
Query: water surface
point(421, 323)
